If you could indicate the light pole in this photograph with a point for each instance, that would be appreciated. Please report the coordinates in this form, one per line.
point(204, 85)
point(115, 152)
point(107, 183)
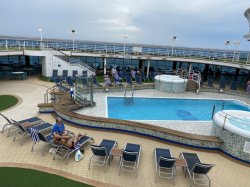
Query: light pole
point(125, 36)
point(41, 37)
point(226, 44)
point(236, 44)
point(174, 38)
point(73, 32)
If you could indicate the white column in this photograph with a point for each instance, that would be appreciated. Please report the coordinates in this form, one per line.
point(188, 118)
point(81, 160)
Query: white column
point(105, 66)
point(147, 75)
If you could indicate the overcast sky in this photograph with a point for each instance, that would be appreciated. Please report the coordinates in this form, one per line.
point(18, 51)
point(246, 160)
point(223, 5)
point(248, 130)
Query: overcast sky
point(196, 23)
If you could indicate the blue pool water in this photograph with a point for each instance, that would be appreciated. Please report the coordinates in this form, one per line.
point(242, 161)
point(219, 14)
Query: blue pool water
point(168, 108)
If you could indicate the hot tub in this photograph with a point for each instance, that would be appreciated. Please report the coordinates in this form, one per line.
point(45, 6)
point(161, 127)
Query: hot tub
point(232, 127)
point(170, 83)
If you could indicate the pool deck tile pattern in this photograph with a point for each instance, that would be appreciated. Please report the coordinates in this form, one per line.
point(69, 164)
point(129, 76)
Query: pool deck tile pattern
point(226, 173)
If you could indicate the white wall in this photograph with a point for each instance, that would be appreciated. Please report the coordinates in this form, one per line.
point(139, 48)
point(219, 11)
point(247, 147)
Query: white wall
point(51, 62)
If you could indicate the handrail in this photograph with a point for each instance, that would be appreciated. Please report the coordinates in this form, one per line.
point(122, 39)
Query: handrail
point(66, 58)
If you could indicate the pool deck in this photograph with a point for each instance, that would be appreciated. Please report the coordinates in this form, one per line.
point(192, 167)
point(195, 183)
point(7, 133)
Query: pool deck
point(226, 173)
point(194, 127)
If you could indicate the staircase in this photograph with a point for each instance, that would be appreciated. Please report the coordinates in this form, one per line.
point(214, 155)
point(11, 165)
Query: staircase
point(68, 103)
point(75, 61)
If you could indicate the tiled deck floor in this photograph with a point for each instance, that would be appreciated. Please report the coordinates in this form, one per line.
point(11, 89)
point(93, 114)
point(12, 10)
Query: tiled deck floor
point(226, 173)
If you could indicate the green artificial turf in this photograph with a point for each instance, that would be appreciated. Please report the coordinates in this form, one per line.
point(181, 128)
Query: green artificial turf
point(7, 101)
point(19, 177)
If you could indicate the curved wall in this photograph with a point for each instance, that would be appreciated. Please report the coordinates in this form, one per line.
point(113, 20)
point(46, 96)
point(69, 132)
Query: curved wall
point(170, 83)
point(233, 137)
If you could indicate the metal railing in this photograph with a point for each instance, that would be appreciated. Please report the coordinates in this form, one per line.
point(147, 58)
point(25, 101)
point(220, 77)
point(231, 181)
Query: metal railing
point(125, 90)
point(67, 59)
point(217, 55)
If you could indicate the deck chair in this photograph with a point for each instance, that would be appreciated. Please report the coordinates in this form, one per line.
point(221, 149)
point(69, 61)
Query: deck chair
point(64, 152)
point(210, 82)
point(25, 132)
point(10, 125)
point(234, 85)
point(101, 153)
point(151, 75)
point(222, 84)
point(121, 75)
point(165, 164)
point(138, 79)
point(130, 158)
point(198, 172)
point(128, 79)
point(95, 82)
point(143, 77)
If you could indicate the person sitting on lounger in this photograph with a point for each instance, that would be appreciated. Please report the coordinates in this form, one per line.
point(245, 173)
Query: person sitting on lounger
point(60, 136)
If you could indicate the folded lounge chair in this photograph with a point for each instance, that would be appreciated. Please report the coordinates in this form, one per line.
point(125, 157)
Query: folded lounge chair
point(10, 125)
point(198, 172)
point(101, 153)
point(24, 132)
point(130, 158)
point(138, 79)
point(165, 164)
point(64, 152)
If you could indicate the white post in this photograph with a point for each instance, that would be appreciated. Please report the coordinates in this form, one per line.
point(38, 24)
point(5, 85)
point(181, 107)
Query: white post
point(148, 69)
point(73, 32)
point(6, 44)
point(41, 37)
point(226, 44)
point(236, 44)
point(174, 38)
point(125, 36)
point(105, 66)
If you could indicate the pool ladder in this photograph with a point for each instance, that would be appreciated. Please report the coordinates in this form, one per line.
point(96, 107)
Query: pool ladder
point(125, 90)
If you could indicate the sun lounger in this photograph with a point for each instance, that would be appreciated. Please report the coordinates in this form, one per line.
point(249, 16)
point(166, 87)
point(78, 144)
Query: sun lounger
point(101, 153)
point(64, 152)
point(130, 158)
point(210, 82)
point(47, 140)
point(128, 79)
point(138, 79)
point(198, 172)
point(12, 126)
point(24, 132)
point(165, 164)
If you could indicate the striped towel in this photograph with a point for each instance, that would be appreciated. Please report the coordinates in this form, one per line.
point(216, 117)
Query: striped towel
point(77, 146)
point(34, 135)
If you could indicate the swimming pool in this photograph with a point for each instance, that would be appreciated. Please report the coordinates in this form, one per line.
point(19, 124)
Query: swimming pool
point(140, 108)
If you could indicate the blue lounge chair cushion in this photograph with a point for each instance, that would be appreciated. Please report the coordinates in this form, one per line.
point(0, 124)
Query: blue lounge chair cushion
point(108, 144)
point(164, 153)
point(191, 159)
point(30, 120)
point(40, 127)
point(98, 150)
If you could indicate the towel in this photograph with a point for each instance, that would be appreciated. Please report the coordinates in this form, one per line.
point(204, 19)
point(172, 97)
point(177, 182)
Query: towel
point(34, 135)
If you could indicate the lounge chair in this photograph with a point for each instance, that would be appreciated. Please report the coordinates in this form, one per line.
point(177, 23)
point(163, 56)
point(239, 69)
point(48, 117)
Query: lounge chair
point(130, 158)
point(138, 79)
point(10, 125)
point(198, 172)
point(128, 79)
point(54, 74)
point(234, 85)
point(101, 153)
point(165, 164)
point(143, 77)
point(222, 85)
point(24, 132)
point(210, 82)
point(47, 141)
point(64, 152)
